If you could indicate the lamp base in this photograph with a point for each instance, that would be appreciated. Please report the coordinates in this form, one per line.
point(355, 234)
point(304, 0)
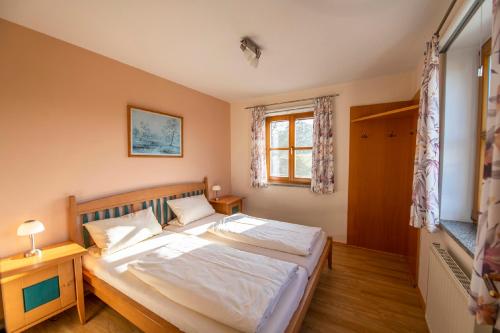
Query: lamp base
point(33, 253)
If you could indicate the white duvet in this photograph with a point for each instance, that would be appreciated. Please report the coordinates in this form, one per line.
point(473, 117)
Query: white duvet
point(286, 237)
point(236, 288)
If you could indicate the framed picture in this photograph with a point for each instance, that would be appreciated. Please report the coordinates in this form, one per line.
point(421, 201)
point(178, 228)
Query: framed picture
point(154, 134)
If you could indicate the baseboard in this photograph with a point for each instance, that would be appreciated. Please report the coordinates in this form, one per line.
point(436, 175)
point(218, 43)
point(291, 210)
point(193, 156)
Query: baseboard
point(421, 298)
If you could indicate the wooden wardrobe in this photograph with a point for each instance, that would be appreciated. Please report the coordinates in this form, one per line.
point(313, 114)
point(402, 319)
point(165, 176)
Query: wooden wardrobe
point(382, 151)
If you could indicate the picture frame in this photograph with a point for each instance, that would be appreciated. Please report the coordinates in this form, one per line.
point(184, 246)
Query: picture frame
point(154, 134)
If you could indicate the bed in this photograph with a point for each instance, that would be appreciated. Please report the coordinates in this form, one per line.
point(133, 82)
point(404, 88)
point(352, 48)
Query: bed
point(200, 227)
point(112, 269)
point(108, 282)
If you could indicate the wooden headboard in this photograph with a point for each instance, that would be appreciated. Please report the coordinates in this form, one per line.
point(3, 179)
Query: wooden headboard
point(128, 202)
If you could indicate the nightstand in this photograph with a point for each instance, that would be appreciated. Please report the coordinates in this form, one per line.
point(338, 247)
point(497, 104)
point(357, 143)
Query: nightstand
point(36, 288)
point(229, 204)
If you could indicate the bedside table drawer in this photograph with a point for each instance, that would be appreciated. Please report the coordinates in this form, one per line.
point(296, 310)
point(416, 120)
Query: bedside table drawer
point(41, 293)
point(33, 295)
point(235, 208)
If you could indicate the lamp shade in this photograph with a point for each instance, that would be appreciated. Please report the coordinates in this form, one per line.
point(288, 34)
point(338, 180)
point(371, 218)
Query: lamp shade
point(30, 227)
point(216, 188)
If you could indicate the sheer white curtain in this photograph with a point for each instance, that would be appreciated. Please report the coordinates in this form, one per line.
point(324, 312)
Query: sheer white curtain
point(258, 170)
point(322, 180)
point(425, 197)
point(487, 252)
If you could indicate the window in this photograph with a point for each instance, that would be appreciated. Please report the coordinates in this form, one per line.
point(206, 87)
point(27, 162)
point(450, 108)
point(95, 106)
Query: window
point(466, 87)
point(289, 140)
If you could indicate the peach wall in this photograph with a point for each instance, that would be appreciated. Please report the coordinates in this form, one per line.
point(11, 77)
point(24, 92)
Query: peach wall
point(63, 131)
point(300, 205)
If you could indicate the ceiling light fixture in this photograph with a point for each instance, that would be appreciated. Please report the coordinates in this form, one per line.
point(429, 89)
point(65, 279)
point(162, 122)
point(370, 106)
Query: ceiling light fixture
point(251, 51)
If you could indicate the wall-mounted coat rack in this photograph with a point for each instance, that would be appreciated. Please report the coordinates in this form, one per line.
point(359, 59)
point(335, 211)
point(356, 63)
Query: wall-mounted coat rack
point(391, 134)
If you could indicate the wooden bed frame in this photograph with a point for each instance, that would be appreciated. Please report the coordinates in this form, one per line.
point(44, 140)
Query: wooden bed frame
point(140, 316)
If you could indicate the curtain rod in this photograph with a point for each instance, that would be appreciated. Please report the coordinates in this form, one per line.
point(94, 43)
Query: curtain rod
point(461, 25)
point(291, 110)
point(294, 101)
point(445, 17)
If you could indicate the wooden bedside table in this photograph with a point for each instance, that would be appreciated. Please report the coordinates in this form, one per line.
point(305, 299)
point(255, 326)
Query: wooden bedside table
point(229, 204)
point(36, 288)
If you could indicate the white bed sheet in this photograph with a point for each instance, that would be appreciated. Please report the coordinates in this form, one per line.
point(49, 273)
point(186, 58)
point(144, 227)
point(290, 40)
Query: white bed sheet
point(200, 228)
point(113, 270)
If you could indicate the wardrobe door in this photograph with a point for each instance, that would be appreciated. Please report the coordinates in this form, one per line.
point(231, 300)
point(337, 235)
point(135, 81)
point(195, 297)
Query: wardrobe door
point(380, 182)
point(365, 185)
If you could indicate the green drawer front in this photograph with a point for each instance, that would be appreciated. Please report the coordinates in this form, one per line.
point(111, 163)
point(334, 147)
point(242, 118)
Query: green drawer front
point(41, 293)
point(235, 209)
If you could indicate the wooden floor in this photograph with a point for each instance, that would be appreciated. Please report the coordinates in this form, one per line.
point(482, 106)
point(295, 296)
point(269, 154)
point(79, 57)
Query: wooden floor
point(365, 292)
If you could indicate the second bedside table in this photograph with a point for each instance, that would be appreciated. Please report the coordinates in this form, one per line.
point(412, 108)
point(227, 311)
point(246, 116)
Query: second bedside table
point(229, 204)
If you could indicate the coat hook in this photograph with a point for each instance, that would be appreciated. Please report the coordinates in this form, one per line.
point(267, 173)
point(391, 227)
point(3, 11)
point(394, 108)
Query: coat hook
point(364, 136)
point(392, 134)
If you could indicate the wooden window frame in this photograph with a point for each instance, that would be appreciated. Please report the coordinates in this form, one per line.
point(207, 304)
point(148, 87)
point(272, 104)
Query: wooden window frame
point(483, 93)
point(291, 179)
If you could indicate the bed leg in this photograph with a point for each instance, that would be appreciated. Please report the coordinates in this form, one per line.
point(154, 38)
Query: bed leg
point(330, 256)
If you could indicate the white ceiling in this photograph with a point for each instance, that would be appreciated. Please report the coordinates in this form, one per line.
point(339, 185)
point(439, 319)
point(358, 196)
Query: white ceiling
point(196, 43)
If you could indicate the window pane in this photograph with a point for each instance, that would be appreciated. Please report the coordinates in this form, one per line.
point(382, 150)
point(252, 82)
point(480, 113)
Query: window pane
point(279, 163)
point(279, 134)
point(304, 132)
point(303, 163)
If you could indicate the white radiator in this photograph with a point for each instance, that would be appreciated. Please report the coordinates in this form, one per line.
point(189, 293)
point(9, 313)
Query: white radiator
point(446, 308)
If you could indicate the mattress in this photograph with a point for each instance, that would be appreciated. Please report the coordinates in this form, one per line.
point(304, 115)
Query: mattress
point(200, 229)
point(113, 270)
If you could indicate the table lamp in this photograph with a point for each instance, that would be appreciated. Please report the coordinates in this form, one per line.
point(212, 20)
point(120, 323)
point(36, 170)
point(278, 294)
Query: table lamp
point(216, 189)
point(30, 228)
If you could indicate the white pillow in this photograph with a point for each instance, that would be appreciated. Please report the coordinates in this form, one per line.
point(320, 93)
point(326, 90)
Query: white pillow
point(191, 208)
point(117, 233)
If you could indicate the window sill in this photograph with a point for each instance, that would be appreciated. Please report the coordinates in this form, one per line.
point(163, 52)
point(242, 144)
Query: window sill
point(290, 185)
point(464, 233)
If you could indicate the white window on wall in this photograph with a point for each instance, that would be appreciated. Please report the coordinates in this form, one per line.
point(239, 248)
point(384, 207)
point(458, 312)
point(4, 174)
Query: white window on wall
point(467, 75)
point(289, 140)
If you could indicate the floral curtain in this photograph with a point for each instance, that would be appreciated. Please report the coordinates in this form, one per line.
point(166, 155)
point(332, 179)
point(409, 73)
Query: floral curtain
point(322, 179)
point(425, 197)
point(487, 253)
point(258, 170)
